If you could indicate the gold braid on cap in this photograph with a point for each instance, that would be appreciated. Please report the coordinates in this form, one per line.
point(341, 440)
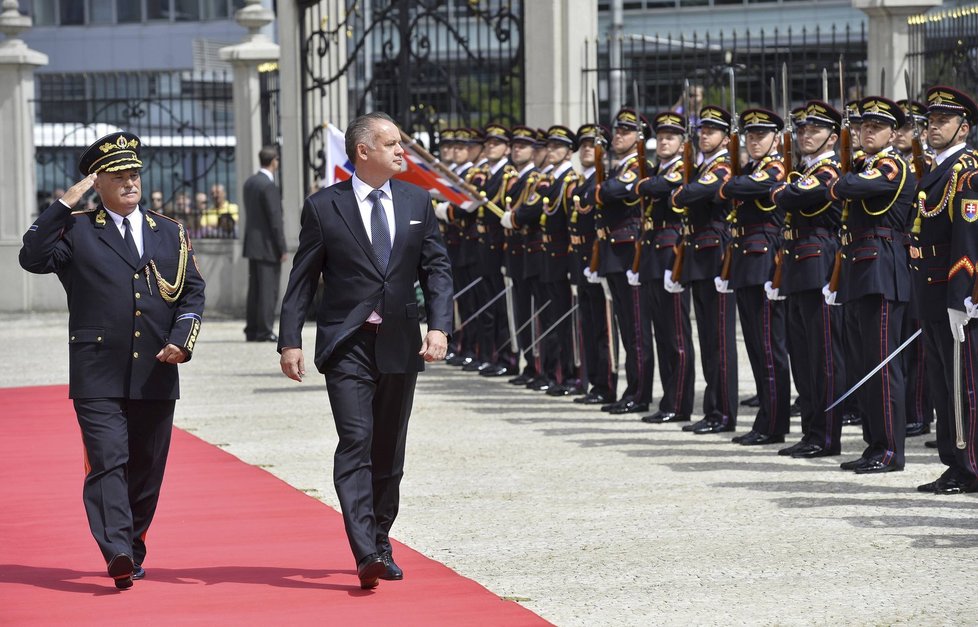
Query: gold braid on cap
point(171, 291)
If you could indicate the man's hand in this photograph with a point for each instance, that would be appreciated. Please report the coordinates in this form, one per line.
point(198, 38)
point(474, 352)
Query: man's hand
point(433, 347)
point(292, 363)
point(171, 353)
point(79, 189)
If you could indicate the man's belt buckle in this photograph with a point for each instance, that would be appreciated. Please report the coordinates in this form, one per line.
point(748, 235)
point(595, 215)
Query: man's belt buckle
point(602, 233)
point(915, 252)
point(846, 238)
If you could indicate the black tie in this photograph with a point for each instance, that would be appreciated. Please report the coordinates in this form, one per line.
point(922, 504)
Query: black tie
point(130, 242)
point(380, 229)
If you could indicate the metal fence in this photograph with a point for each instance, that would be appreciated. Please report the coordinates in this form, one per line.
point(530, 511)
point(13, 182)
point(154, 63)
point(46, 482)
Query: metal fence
point(655, 66)
point(184, 119)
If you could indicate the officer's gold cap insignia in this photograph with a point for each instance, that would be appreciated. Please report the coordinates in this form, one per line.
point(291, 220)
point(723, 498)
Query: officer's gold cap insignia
point(111, 153)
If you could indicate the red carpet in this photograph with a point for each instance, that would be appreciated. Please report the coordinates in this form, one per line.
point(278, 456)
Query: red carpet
point(231, 544)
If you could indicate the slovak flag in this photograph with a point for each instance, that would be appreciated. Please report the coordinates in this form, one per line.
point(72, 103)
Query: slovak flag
point(338, 166)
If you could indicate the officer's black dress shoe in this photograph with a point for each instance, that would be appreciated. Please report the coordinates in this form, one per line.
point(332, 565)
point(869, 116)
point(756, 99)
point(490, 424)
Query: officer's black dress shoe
point(560, 389)
point(737, 439)
point(854, 463)
point(536, 381)
point(592, 398)
point(630, 407)
point(753, 401)
point(138, 572)
point(476, 366)
point(449, 355)
point(369, 570)
point(459, 359)
point(614, 405)
point(788, 450)
point(811, 451)
point(875, 466)
point(393, 572)
point(931, 443)
point(663, 417)
point(852, 419)
point(498, 370)
point(520, 379)
point(957, 485)
point(917, 428)
point(759, 439)
point(696, 425)
point(713, 426)
point(543, 385)
point(120, 568)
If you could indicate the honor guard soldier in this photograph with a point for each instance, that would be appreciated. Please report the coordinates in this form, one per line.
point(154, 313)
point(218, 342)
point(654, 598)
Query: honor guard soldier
point(135, 301)
point(807, 256)
point(523, 140)
point(494, 323)
point(756, 231)
point(664, 300)
point(942, 258)
point(599, 341)
point(619, 222)
point(449, 231)
point(874, 278)
point(706, 238)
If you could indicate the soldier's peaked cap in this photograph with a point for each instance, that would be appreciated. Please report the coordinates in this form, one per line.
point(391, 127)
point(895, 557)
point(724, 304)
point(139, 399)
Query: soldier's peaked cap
point(592, 131)
point(631, 119)
point(717, 117)
point(522, 133)
point(669, 121)
point(497, 131)
point(941, 99)
point(111, 153)
point(823, 114)
point(760, 119)
point(915, 111)
point(882, 110)
point(562, 134)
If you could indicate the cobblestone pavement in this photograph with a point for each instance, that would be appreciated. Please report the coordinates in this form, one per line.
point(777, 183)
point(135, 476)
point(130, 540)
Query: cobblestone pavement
point(591, 519)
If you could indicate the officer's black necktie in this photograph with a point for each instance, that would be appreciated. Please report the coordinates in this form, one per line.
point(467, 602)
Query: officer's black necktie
point(130, 242)
point(379, 229)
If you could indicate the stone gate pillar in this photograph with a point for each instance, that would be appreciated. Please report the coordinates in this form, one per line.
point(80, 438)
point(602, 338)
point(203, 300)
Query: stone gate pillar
point(888, 42)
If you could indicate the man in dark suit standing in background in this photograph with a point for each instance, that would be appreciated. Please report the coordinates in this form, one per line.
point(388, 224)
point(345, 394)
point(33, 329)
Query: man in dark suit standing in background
point(264, 246)
point(370, 238)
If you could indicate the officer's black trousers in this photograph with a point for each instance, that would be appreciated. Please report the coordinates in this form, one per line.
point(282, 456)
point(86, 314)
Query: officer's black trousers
point(673, 333)
point(594, 334)
point(763, 324)
point(716, 326)
point(636, 335)
point(920, 408)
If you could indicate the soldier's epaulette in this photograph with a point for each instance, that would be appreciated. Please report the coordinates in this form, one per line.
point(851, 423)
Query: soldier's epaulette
point(81, 211)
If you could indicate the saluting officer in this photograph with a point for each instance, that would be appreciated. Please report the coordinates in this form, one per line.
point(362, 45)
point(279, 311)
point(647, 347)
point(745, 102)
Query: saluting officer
point(942, 257)
point(756, 234)
point(706, 237)
point(664, 300)
point(619, 223)
point(810, 241)
point(135, 301)
point(875, 279)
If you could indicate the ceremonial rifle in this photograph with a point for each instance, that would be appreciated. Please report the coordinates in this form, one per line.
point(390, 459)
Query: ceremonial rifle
point(787, 157)
point(958, 410)
point(916, 148)
point(599, 176)
point(680, 248)
point(643, 171)
point(845, 165)
point(733, 147)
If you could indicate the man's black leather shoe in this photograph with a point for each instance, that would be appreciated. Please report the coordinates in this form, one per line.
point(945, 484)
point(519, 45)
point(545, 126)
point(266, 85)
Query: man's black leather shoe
point(498, 370)
point(917, 428)
point(753, 401)
point(393, 572)
point(592, 398)
point(476, 366)
point(931, 443)
point(369, 570)
point(138, 572)
point(630, 407)
point(788, 450)
point(852, 419)
point(811, 451)
point(713, 426)
point(663, 417)
point(696, 425)
point(737, 439)
point(542, 385)
point(535, 381)
point(875, 466)
point(615, 405)
point(760, 439)
point(854, 463)
point(520, 379)
point(957, 485)
point(120, 568)
point(561, 389)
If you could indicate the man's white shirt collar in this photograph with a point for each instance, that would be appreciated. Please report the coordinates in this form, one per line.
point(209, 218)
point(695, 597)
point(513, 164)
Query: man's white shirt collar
point(939, 159)
point(362, 190)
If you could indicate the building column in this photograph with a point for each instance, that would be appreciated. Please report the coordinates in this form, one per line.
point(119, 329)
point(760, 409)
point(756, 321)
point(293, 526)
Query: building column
point(256, 48)
point(18, 199)
point(554, 68)
point(888, 42)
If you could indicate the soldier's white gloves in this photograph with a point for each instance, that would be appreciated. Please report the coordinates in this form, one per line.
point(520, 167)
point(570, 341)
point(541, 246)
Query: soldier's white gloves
point(671, 286)
point(970, 308)
point(632, 278)
point(958, 320)
point(441, 211)
point(592, 277)
point(829, 295)
point(772, 292)
point(721, 285)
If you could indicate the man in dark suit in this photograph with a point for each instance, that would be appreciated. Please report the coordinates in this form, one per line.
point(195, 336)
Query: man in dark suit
point(135, 299)
point(370, 238)
point(264, 246)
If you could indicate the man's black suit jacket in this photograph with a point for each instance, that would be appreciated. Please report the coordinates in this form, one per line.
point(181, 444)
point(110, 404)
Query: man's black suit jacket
point(264, 237)
point(333, 243)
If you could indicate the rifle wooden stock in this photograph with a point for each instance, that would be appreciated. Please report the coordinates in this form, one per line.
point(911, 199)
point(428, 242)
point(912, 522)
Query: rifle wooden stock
point(677, 264)
point(643, 171)
point(787, 152)
point(918, 163)
point(845, 150)
point(599, 176)
point(727, 257)
point(680, 248)
point(595, 255)
point(836, 272)
point(778, 266)
point(734, 149)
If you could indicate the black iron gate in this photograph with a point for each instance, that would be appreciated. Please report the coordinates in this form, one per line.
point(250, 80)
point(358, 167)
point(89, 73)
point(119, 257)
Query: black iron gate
point(430, 64)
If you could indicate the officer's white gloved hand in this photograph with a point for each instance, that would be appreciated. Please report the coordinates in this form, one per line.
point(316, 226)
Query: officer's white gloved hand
point(671, 286)
point(632, 278)
point(829, 295)
point(958, 320)
point(721, 285)
point(592, 277)
point(441, 211)
point(507, 220)
point(772, 292)
point(970, 308)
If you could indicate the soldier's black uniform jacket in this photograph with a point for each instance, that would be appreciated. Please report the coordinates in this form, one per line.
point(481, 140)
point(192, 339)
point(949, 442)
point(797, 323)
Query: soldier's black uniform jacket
point(519, 188)
point(757, 221)
point(811, 226)
point(526, 217)
point(556, 212)
point(945, 243)
point(581, 226)
point(489, 230)
point(663, 226)
point(468, 251)
point(705, 214)
point(874, 252)
point(121, 314)
point(619, 218)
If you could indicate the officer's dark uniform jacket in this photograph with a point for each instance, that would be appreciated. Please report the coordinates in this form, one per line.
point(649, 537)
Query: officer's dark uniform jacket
point(519, 188)
point(450, 232)
point(581, 225)
point(121, 314)
point(811, 226)
point(705, 215)
point(468, 230)
point(663, 226)
point(488, 229)
point(554, 219)
point(757, 221)
point(619, 218)
point(944, 247)
point(874, 251)
point(526, 217)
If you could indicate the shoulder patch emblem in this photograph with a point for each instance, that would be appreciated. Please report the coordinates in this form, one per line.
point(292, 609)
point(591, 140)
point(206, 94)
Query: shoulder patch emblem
point(674, 177)
point(708, 178)
point(871, 173)
point(807, 183)
point(759, 175)
point(627, 176)
point(969, 209)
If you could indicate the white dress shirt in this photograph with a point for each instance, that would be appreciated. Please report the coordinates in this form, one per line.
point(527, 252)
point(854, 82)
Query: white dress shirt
point(361, 190)
point(135, 221)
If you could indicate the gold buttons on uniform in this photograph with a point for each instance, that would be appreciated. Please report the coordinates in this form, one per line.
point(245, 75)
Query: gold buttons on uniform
point(136, 333)
point(138, 313)
point(136, 276)
point(72, 338)
point(137, 295)
point(98, 339)
point(135, 355)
